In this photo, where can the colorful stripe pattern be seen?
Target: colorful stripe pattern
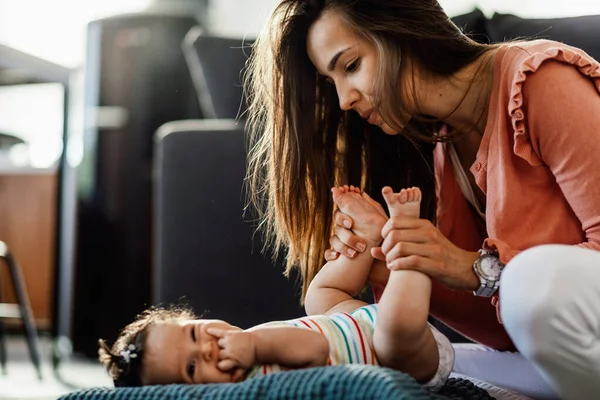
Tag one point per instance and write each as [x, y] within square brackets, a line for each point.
[350, 337]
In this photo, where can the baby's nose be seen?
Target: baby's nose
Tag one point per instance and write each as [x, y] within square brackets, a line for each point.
[207, 350]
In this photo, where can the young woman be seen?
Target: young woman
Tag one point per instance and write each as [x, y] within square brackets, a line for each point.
[503, 140]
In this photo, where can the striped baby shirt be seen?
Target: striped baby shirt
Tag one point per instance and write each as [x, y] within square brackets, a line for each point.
[350, 337]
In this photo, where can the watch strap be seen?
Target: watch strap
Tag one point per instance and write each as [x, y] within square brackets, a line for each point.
[488, 287]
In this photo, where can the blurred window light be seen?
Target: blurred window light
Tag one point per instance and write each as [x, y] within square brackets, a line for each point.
[55, 29]
[34, 113]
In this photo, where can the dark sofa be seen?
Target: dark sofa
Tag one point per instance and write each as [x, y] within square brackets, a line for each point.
[205, 248]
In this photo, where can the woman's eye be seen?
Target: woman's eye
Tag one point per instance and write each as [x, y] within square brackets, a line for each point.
[352, 67]
[193, 334]
[191, 370]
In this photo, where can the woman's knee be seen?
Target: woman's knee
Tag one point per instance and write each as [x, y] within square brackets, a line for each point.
[530, 296]
[541, 286]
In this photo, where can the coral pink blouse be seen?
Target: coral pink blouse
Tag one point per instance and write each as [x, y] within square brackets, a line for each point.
[539, 166]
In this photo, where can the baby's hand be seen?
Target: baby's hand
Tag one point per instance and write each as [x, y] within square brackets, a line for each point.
[237, 349]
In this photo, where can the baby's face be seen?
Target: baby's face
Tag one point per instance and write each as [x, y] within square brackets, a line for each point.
[183, 352]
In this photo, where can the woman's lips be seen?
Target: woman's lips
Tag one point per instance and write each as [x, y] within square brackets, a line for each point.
[372, 118]
[367, 114]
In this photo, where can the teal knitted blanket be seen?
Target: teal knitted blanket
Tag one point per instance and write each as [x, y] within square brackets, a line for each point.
[351, 382]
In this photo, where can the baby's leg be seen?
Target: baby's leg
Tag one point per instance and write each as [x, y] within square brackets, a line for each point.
[402, 337]
[368, 219]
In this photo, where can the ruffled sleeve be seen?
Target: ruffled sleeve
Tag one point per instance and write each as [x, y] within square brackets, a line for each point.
[572, 60]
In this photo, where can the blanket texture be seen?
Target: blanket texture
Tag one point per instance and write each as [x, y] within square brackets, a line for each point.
[351, 382]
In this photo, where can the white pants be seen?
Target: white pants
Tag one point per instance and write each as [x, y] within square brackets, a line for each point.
[550, 307]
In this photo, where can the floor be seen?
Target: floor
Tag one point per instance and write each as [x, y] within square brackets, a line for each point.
[21, 382]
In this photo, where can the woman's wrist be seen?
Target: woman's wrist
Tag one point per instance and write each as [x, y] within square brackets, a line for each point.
[471, 279]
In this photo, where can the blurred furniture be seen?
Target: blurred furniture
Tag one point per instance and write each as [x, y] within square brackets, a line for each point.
[8, 140]
[32, 207]
[216, 64]
[206, 251]
[136, 79]
[29, 197]
[582, 32]
[28, 223]
[21, 310]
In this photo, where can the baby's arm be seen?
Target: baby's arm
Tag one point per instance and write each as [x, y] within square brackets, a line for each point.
[334, 287]
[289, 347]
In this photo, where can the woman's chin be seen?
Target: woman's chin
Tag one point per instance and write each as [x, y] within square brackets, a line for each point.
[388, 129]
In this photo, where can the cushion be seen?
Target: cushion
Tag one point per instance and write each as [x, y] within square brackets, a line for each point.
[474, 25]
[582, 32]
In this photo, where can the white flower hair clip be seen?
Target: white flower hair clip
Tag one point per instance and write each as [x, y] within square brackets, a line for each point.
[128, 354]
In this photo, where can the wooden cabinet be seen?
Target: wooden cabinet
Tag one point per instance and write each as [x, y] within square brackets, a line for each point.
[28, 227]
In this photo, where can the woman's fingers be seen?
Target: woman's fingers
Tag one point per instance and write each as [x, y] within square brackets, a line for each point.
[404, 222]
[404, 236]
[342, 219]
[346, 242]
[425, 265]
[331, 255]
[377, 253]
[406, 249]
[337, 247]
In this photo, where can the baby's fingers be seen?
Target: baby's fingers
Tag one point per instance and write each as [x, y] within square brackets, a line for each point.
[226, 365]
[216, 332]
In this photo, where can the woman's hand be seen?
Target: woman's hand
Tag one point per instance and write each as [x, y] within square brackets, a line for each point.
[416, 244]
[344, 241]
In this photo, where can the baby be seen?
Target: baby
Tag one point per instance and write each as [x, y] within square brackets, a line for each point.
[166, 346]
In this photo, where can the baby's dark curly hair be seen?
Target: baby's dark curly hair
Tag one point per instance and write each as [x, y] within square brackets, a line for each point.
[124, 361]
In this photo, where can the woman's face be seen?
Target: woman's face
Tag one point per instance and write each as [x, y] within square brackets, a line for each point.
[348, 61]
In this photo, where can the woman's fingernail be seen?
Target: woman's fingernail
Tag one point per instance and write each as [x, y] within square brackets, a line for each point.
[334, 253]
[347, 223]
[351, 252]
[361, 247]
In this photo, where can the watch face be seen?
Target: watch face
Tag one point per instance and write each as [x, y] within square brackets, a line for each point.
[490, 267]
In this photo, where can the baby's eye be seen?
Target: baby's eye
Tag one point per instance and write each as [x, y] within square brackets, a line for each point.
[191, 370]
[193, 332]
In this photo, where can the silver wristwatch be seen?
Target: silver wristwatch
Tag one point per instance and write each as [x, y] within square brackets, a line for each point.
[488, 269]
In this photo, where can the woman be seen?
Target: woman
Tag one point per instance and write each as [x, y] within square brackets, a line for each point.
[503, 141]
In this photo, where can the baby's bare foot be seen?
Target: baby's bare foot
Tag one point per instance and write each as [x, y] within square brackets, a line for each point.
[368, 220]
[405, 202]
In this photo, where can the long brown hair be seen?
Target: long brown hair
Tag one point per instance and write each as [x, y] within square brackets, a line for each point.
[301, 143]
